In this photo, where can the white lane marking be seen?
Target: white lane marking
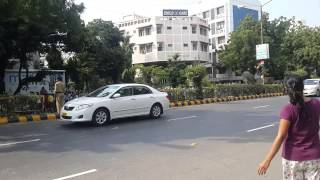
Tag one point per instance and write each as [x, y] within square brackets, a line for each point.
[176, 119]
[263, 127]
[115, 128]
[76, 175]
[19, 142]
[257, 107]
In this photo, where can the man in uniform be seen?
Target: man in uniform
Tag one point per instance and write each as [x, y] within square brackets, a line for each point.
[59, 94]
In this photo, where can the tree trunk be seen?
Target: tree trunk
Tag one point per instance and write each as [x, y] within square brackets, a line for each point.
[19, 85]
[2, 74]
[3, 65]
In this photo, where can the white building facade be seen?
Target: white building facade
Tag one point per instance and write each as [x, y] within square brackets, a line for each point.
[157, 39]
[223, 17]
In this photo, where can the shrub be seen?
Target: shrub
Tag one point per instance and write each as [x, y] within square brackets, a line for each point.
[22, 104]
[221, 91]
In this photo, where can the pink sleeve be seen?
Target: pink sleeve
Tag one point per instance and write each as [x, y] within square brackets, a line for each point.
[286, 113]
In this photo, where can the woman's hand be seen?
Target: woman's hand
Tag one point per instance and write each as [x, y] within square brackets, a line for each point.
[263, 167]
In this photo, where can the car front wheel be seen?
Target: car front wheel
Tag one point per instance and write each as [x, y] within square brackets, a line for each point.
[100, 117]
[156, 111]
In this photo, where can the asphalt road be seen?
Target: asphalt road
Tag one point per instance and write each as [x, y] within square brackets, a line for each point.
[208, 142]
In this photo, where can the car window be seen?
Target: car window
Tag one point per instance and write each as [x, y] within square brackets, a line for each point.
[310, 82]
[103, 91]
[139, 90]
[126, 91]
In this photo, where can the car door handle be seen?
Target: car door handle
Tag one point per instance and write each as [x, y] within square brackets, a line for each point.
[133, 98]
[151, 97]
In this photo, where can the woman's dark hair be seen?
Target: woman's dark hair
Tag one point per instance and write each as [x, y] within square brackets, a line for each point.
[295, 86]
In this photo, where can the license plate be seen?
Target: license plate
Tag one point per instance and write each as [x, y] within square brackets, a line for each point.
[64, 114]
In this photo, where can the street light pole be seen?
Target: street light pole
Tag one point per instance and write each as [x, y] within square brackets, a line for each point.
[261, 24]
[261, 34]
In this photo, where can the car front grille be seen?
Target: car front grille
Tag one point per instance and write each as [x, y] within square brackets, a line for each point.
[68, 108]
[66, 117]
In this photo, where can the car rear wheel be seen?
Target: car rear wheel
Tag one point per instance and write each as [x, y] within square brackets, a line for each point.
[156, 111]
[100, 117]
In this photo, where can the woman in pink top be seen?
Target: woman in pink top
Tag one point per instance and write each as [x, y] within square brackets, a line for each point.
[298, 131]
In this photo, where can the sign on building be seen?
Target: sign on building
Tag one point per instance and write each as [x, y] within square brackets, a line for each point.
[175, 12]
[262, 51]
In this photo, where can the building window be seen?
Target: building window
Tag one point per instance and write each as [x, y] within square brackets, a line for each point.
[159, 28]
[213, 28]
[212, 14]
[220, 27]
[194, 45]
[221, 40]
[141, 32]
[145, 48]
[194, 29]
[169, 45]
[185, 44]
[148, 31]
[160, 46]
[203, 31]
[169, 27]
[205, 14]
[204, 47]
[184, 27]
[220, 10]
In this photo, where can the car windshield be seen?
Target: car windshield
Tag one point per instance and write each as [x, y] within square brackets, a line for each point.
[103, 91]
[310, 82]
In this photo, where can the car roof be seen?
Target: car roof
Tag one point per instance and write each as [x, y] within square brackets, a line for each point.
[128, 84]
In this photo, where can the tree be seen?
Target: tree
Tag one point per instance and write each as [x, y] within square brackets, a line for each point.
[239, 54]
[160, 75]
[176, 70]
[54, 58]
[196, 74]
[128, 75]
[105, 47]
[28, 25]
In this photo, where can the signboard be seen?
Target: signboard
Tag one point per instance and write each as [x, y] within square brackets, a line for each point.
[12, 81]
[175, 12]
[262, 51]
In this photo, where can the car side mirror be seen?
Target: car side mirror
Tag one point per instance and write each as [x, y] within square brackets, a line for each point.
[117, 95]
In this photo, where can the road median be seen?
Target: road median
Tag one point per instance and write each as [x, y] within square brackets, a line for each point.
[221, 99]
[28, 118]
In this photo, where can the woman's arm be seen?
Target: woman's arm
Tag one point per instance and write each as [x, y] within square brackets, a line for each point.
[282, 134]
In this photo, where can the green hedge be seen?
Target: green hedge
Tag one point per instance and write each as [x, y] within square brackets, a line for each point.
[179, 94]
[22, 104]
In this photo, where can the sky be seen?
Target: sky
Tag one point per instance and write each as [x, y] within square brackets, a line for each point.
[305, 10]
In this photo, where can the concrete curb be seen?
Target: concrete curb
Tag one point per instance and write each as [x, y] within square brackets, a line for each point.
[223, 99]
[28, 118]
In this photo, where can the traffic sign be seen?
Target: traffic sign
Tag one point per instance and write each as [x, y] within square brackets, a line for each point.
[262, 51]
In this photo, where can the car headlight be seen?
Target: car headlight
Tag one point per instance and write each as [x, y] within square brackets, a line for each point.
[83, 106]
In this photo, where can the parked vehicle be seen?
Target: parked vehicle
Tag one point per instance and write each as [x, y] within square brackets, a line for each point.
[116, 101]
[311, 87]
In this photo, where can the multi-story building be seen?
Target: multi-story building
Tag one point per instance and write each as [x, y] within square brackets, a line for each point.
[157, 39]
[223, 17]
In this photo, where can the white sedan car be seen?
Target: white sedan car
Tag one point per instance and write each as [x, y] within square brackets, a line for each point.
[116, 101]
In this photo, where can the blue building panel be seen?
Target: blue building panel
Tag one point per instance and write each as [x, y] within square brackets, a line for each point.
[239, 13]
